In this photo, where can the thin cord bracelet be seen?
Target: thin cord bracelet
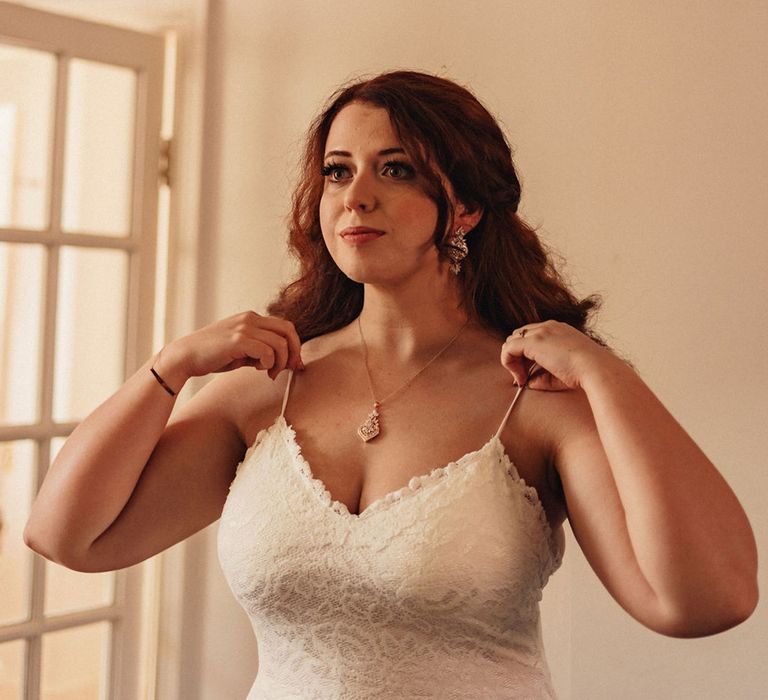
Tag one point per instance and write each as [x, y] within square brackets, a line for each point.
[161, 381]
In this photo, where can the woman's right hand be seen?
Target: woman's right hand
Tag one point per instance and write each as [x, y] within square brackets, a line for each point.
[244, 340]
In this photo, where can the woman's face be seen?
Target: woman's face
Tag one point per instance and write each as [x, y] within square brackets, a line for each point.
[376, 219]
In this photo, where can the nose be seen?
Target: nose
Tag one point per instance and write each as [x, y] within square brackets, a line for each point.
[360, 194]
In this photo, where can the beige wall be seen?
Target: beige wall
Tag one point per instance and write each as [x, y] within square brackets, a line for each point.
[640, 131]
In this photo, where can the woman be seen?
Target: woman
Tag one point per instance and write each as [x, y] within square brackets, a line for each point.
[372, 559]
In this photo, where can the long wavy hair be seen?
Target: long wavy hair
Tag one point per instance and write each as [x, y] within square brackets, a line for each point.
[508, 278]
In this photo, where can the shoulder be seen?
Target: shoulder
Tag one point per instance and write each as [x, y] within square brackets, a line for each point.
[567, 411]
[557, 415]
[564, 418]
[241, 399]
[250, 400]
[551, 422]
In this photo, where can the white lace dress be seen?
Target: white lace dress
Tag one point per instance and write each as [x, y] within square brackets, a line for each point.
[431, 592]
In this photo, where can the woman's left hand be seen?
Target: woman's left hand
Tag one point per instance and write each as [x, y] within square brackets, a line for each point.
[555, 355]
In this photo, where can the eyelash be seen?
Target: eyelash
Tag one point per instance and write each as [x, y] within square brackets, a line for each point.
[409, 171]
[329, 168]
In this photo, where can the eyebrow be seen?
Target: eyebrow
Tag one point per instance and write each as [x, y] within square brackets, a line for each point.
[347, 154]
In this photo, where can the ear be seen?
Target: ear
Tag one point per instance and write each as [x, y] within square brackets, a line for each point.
[467, 218]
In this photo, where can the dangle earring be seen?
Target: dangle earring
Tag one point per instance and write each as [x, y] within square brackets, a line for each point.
[457, 249]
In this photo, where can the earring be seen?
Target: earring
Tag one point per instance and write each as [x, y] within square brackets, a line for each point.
[457, 249]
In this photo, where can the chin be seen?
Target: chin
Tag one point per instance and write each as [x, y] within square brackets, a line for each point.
[365, 276]
[377, 270]
[363, 271]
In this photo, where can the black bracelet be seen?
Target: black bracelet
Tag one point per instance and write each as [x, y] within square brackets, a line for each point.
[162, 382]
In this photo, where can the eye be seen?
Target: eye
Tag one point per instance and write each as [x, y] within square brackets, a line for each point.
[335, 172]
[398, 170]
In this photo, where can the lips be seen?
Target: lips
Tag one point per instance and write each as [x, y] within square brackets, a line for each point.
[356, 235]
[352, 231]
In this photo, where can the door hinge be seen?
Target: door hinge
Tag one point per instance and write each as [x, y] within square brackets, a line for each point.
[164, 165]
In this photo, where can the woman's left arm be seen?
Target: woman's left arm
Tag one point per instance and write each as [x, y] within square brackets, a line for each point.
[654, 517]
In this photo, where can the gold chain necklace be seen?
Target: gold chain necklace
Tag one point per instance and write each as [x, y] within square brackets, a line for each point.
[372, 425]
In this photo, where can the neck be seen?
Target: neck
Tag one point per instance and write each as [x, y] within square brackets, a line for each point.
[409, 324]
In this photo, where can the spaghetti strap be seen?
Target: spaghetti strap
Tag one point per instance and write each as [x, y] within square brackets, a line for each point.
[532, 369]
[509, 410]
[287, 390]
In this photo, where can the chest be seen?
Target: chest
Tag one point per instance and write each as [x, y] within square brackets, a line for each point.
[428, 427]
[468, 548]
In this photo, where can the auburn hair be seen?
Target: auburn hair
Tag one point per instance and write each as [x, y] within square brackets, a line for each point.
[508, 278]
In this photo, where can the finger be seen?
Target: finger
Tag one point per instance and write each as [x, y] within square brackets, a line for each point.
[513, 356]
[287, 330]
[524, 331]
[249, 328]
[534, 370]
[279, 346]
[516, 363]
[294, 344]
[546, 382]
[259, 354]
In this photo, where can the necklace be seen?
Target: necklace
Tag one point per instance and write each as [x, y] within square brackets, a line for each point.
[372, 425]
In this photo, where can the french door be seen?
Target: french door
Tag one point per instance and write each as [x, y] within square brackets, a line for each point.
[80, 116]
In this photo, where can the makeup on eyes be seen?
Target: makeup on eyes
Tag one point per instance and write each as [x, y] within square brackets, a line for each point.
[331, 168]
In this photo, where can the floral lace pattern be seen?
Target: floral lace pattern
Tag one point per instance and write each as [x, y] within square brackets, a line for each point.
[431, 592]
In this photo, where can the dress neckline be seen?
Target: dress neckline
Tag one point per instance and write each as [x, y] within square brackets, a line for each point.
[282, 431]
[403, 495]
[414, 484]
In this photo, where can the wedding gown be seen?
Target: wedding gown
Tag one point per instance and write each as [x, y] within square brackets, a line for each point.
[431, 592]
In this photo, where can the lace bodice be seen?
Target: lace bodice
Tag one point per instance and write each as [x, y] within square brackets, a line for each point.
[431, 592]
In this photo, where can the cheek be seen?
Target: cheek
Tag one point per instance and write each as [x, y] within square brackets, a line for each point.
[424, 211]
[327, 220]
[325, 214]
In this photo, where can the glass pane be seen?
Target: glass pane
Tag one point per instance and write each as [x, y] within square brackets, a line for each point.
[56, 444]
[98, 152]
[17, 484]
[27, 82]
[67, 590]
[75, 663]
[90, 330]
[22, 270]
[12, 670]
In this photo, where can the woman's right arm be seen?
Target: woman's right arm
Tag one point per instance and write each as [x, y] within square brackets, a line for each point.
[127, 484]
